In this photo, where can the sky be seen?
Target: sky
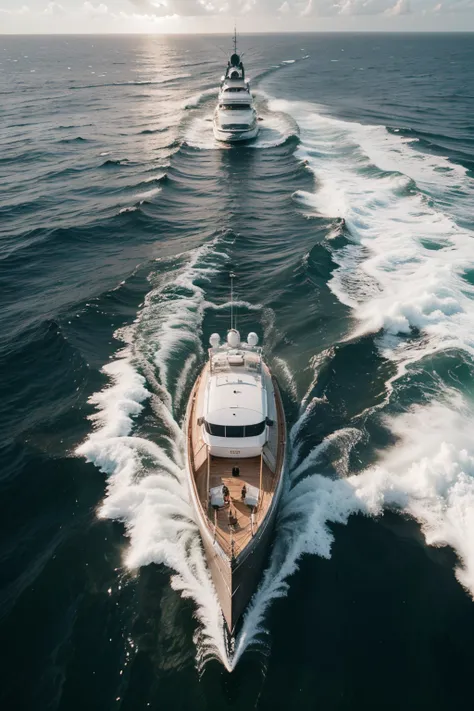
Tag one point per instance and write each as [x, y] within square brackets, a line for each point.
[170, 16]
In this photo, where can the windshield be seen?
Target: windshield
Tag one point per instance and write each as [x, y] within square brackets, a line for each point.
[235, 107]
[235, 430]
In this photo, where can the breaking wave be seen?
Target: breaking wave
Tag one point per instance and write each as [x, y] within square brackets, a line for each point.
[198, 99]
[146, 483]
[404, 269]
[402, 274]
[427, 475]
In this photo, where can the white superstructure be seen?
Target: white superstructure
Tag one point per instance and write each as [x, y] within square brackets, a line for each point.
[238, 401]
[235, 117]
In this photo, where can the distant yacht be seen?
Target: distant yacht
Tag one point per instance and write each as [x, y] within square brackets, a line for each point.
[235, 117]
[235, 462]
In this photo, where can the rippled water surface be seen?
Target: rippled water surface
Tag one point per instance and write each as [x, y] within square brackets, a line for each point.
[349, 222]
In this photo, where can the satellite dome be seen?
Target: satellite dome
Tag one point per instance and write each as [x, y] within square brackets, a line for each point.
[252, 339]
[235, 60]
[215, 340]
[233, 338]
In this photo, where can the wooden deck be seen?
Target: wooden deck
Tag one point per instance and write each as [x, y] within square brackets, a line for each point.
[241, 532]
[233, 538]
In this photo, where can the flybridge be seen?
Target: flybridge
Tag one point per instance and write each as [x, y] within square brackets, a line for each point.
[241, 356]
[235, 384]
[235, 402]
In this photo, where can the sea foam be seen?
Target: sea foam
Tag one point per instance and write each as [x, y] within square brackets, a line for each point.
[146, 484]
[404, 268]
[401, 272]
[428, 475]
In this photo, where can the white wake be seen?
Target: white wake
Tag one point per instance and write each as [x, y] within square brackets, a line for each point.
[404, 269]
[402, 274]
[146, 484]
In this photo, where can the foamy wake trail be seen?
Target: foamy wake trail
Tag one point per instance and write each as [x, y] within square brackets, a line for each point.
[146, 485]
[404, 269]
[428, 475]
[309, 504]
[169, 326]
[199, 134]
[287, 376]
[194, 101]
[274, 129]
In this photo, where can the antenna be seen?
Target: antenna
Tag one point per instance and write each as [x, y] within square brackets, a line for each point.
[220, 49]
[235, 37]
[232, 277]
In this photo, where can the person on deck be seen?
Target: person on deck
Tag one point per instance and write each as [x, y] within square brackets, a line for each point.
[226, 495]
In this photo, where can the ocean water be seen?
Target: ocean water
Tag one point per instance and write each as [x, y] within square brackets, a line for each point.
[350, 224]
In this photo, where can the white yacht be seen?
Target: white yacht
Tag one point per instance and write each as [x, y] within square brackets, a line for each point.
[235, 117]
[235, 463]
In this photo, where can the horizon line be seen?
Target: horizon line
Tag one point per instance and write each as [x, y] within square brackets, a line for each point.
[225, 34]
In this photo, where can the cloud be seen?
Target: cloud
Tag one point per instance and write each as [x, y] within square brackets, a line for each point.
[23, 10]
[362, 7]
[144, 5]
[184, 8]
[95, 10]
[401, 7]
[193, 8]
[215, 15]
[450, 7]
[295, 8]
[53, 8]
[459, 6]
[333, 8]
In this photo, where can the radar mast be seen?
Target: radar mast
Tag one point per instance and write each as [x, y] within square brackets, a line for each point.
[232, 277]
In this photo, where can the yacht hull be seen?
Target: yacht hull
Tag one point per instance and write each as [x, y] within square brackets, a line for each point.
[236, 583]
[237, 572]
[234, 136]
